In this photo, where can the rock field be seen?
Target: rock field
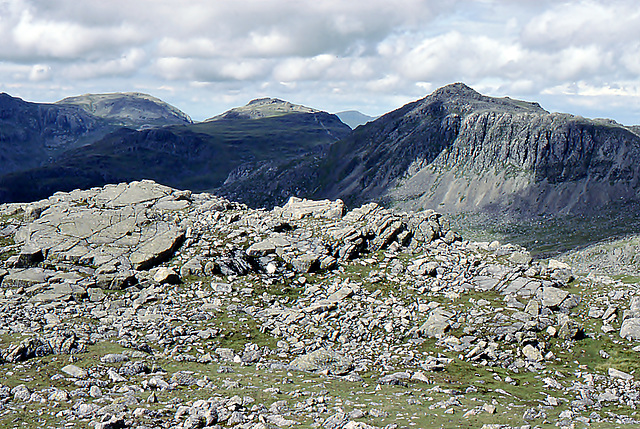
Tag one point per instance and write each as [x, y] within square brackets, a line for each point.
[141, 306]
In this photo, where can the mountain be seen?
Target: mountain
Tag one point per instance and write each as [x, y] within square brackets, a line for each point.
[353, 118]
[264, 108]
[458, 150]
[131, 109]
[33, 133]
[200, 156]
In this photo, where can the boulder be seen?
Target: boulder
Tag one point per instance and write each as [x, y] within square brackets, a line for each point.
[323, 360]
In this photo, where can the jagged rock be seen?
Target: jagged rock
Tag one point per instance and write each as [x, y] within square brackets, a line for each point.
[28, 349]
[297, 208]
[166, 275]
[552, 297]
[29, 256]
[532, 353]
[569, 329]
[437, 324]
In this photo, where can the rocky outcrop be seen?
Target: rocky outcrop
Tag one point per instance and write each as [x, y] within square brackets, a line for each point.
[305, 315]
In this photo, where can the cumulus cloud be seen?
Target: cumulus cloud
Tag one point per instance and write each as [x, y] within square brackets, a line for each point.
[341, 54]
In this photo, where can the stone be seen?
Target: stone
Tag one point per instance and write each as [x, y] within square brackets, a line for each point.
[323, 360]
[29, 256]
[532, 353]
[552, 297]
[630, 329]
[615, 373]
[166, 275]
[297, 208]
[437, 324]
[569, 330]
[75, 371]
[26, 277]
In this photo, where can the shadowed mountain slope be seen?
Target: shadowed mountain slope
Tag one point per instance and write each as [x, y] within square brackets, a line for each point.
[32, 133]
[461, 151]
[197, 156]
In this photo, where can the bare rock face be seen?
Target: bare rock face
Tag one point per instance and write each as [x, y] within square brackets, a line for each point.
[458, 150]
[107, 226]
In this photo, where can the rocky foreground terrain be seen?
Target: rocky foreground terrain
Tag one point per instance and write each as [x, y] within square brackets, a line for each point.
[138, 305]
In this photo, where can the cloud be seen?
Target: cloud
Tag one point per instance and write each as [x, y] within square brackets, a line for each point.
[341, 54]
[39, 72]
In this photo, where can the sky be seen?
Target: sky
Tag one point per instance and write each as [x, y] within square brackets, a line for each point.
[207, 56]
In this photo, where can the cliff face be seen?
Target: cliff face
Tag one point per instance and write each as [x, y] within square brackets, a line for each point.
[460, 151]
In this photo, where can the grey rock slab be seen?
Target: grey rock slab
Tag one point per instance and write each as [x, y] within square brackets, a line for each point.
[437, 324]
[532, 353]
[75, 371]
[323, 360]
[320, 306]
[616, 373]
[552, 297]
[297, 208]
[485, 283]
[159, 246]
[630, 329]
[27, 277]
[60, 292]
[115, 226]
[123, 195]
[166, 275]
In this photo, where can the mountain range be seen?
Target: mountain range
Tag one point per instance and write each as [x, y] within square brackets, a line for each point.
[455, 150]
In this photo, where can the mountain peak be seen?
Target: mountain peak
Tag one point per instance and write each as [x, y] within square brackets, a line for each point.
[129, 108]
[264, 108]
[466, 99]
[458, 88]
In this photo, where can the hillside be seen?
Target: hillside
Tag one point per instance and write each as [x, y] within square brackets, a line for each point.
[196, 156]
[138, 305]
[33, 133]
[461, 151]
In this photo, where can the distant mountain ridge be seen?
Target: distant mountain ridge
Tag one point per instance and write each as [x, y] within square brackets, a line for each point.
[264, 108]
[199, 156]
[132, 109]
[455, 150]
[353, 118]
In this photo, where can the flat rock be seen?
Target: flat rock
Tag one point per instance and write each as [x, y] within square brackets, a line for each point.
[616, 373]
[323, 360]
[75, 371]
[552, 297]
[114, 228]
[437, 323]
[297, 208]
[27, 277]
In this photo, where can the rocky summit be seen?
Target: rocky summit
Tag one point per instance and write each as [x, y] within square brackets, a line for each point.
[139, 305]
